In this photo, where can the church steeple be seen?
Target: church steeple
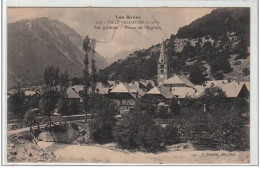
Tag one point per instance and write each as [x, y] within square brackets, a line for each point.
[162, 66]
[162, 58]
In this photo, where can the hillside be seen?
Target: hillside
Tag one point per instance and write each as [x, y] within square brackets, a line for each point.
[120, 55]
[36, 44]
[213, 47]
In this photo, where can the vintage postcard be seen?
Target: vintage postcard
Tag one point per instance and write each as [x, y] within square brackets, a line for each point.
[129, 85]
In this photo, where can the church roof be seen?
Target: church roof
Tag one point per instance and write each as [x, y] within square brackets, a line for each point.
[163, 58]
[177, 79]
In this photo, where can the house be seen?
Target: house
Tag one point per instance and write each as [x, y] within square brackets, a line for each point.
[233, 89]
[178, 81]
[159, 94]
[73, 94]
[100, 89]
[146, 85]
[123, 96]
[31, 93]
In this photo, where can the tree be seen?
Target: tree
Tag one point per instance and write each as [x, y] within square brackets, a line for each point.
[62, 106]
[138, 130]
[213, 96]
[64, 83]
[147, 105]
[174, 107]
[48, 103]
[17, 103]
[103, 121]
[93, 77]
[86, 81]
[51, 77]
[76, 81]
[30, 118]
[197, 75]
[62, 101]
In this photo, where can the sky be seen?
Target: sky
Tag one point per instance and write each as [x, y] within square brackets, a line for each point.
[83, 21]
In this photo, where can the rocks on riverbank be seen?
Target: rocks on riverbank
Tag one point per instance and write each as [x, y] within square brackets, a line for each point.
[23, 150]
[63, 134]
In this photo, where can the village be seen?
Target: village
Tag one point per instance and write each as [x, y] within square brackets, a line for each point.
[167, 87]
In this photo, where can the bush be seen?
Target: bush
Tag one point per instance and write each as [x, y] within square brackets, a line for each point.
[125, 132]
[223, 127]
[103, 121]
[149, 137]
[17, 104]
[163, 112]
[171, 135]
[138, 130]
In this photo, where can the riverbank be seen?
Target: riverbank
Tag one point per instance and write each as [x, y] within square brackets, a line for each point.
[109, 153]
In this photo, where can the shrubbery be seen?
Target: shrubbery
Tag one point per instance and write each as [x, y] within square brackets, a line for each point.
[171, 134]
[103, 120]
[222, 126]
[138, 130]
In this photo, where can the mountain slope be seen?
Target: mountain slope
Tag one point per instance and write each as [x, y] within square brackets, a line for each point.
[213, 47]
[36, 44]
[120, 55]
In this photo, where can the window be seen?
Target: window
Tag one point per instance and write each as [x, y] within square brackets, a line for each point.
[161, 66]
[161, 71]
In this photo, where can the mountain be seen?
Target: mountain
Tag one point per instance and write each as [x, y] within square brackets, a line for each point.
[36, 44]
[213, 47]
[120, 55]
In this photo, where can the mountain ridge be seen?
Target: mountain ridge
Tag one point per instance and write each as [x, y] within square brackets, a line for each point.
[36, 44]
[194, 53]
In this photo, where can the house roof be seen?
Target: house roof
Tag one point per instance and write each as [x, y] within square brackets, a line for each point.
[72, 94]
[146, 82]
[135, 88]
[111, 82]
[232, 89]
[182, 92]
[78, 88]
[101, 88]
[164, 91]
[154, 90]
[177, 79]
[123, 88]
[30, 93]
[120, 88]
[247, 85]
[216, 83]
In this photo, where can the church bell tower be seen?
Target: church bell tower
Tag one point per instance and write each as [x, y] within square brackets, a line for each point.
[162, 66]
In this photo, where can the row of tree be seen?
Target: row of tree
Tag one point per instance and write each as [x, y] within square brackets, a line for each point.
[210, 122]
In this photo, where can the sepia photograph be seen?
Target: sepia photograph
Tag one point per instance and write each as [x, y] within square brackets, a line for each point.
[121, 85]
